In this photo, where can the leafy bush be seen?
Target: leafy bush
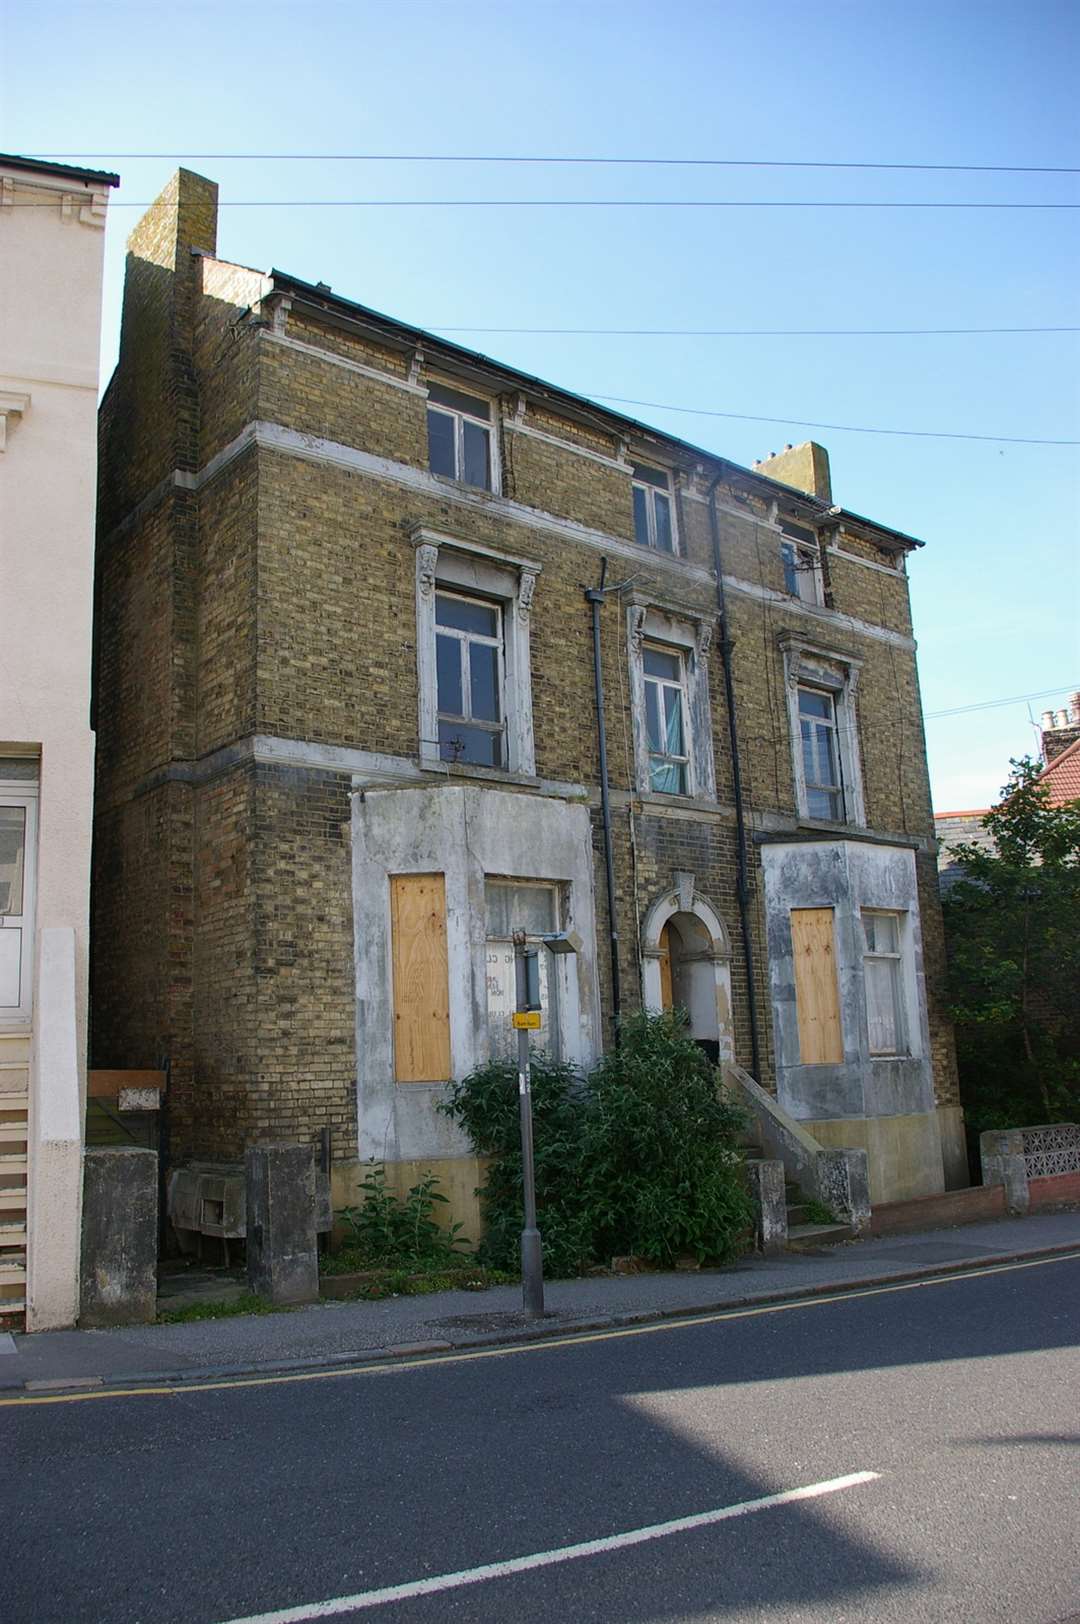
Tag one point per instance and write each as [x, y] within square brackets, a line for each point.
[662, 1173]
[401, 1233]
[637, 1158]
[486, 1105]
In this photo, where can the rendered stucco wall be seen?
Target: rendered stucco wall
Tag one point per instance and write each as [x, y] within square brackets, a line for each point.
[50, 319]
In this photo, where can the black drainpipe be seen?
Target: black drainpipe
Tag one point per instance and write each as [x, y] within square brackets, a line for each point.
[595, 597]
[742, 868]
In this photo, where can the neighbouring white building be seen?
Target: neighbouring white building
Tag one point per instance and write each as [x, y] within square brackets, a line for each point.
[52, 223]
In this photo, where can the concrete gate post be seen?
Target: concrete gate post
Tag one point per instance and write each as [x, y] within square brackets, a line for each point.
[119, 1237]
[767, 1192]
[1001, 1154]
[282, 1261]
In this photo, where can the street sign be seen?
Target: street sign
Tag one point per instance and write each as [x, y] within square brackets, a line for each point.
[527, 1020]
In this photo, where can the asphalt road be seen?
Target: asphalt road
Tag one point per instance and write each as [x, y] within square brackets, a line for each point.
[958, 1401]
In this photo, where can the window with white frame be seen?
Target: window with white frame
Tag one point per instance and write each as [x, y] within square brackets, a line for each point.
[802, 564]
[472, 654]
[664, 675]
[459, 437]
[822, 773]
[469, 678]
[654, 524]
[820, 684]
[533, 907]
[669, 691]
[883, 975]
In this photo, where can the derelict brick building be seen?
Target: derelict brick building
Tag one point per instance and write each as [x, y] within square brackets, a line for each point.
[348, 736]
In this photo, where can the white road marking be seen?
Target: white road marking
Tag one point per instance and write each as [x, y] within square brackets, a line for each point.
[546, 1559]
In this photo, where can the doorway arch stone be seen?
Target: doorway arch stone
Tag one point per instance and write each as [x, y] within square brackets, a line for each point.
[686, 962]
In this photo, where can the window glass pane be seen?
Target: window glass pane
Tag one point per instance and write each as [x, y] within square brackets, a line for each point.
[476, 746]
[662, 513]
[12, 858]
[814, 704]
[480, 746]
[448, 667]
[652, 716]
[826, 754]
[477, 469]
[440, 438]
[823, 803]
[484, 681]
[459, 401]
[651, 476]
[658, 663]
[791, 577]
[510, 907]
[667, 777]
[673, 735]
[466, 616]
[882, 933]
[641, 516]
[882, 1005]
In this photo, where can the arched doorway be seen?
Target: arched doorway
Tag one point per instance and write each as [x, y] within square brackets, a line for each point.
[687, 965]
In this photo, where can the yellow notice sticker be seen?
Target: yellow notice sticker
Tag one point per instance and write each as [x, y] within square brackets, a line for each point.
[526, 1020]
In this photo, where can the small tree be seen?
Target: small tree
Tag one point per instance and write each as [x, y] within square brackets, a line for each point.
[1012, 924]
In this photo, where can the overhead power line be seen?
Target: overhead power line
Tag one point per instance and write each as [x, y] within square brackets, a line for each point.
[753, 332]
[572, 203]
[843, 428]
[994, 704]
[554, 158]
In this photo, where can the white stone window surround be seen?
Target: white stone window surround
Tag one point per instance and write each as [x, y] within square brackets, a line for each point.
[801, 559]
[689, 633]
[444, 561]
[708, 996]
[835, 672]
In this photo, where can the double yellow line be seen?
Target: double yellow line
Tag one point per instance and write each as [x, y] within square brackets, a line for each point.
[386, 1367]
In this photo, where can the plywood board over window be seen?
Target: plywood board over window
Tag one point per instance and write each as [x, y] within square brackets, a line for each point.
[421, 978]
[817, 996]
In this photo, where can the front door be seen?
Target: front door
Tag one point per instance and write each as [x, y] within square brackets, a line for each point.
[18, 845]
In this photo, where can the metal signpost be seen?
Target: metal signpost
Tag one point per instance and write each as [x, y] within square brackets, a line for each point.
[526, 1019]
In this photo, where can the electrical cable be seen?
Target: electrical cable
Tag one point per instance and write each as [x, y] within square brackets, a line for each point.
[572, 203]
[752, 332]
[527, 158]
[993, 704]
[840, 428]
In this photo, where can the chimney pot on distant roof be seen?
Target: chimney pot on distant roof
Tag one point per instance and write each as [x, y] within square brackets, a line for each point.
[1074, 707]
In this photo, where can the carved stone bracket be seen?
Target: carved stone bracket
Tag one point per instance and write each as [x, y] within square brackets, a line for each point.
[525, 595]
[638, 612]
[427, 561]
[684, 889]
[11, 406]
[704, 639]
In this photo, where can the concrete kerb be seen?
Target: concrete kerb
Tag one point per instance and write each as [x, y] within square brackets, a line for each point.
[435, 1350]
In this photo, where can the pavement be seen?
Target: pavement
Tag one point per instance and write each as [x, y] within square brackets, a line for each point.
[331, 1333]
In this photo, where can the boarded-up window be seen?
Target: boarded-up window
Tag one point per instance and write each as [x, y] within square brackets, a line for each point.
[421, 978]
[667, 994]
[817, 998]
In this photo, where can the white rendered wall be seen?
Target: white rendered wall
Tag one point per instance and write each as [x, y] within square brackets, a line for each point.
[50, 317]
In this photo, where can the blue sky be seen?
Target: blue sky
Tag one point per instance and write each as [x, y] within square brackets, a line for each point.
[996, 591]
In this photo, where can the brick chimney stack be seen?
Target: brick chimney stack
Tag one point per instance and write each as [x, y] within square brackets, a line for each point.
[805, 467]
[1060, 729]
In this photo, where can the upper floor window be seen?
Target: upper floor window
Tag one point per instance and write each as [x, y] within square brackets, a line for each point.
[665, 719]
[653, 522]
[459, 437]
[469, 675]
[820, 685]
[472, 654]
[820, 755]
[802, 565]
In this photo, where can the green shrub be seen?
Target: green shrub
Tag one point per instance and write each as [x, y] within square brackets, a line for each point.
[401, 1233]
[662, 1171]
[486, 1105]
[637, 1158]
